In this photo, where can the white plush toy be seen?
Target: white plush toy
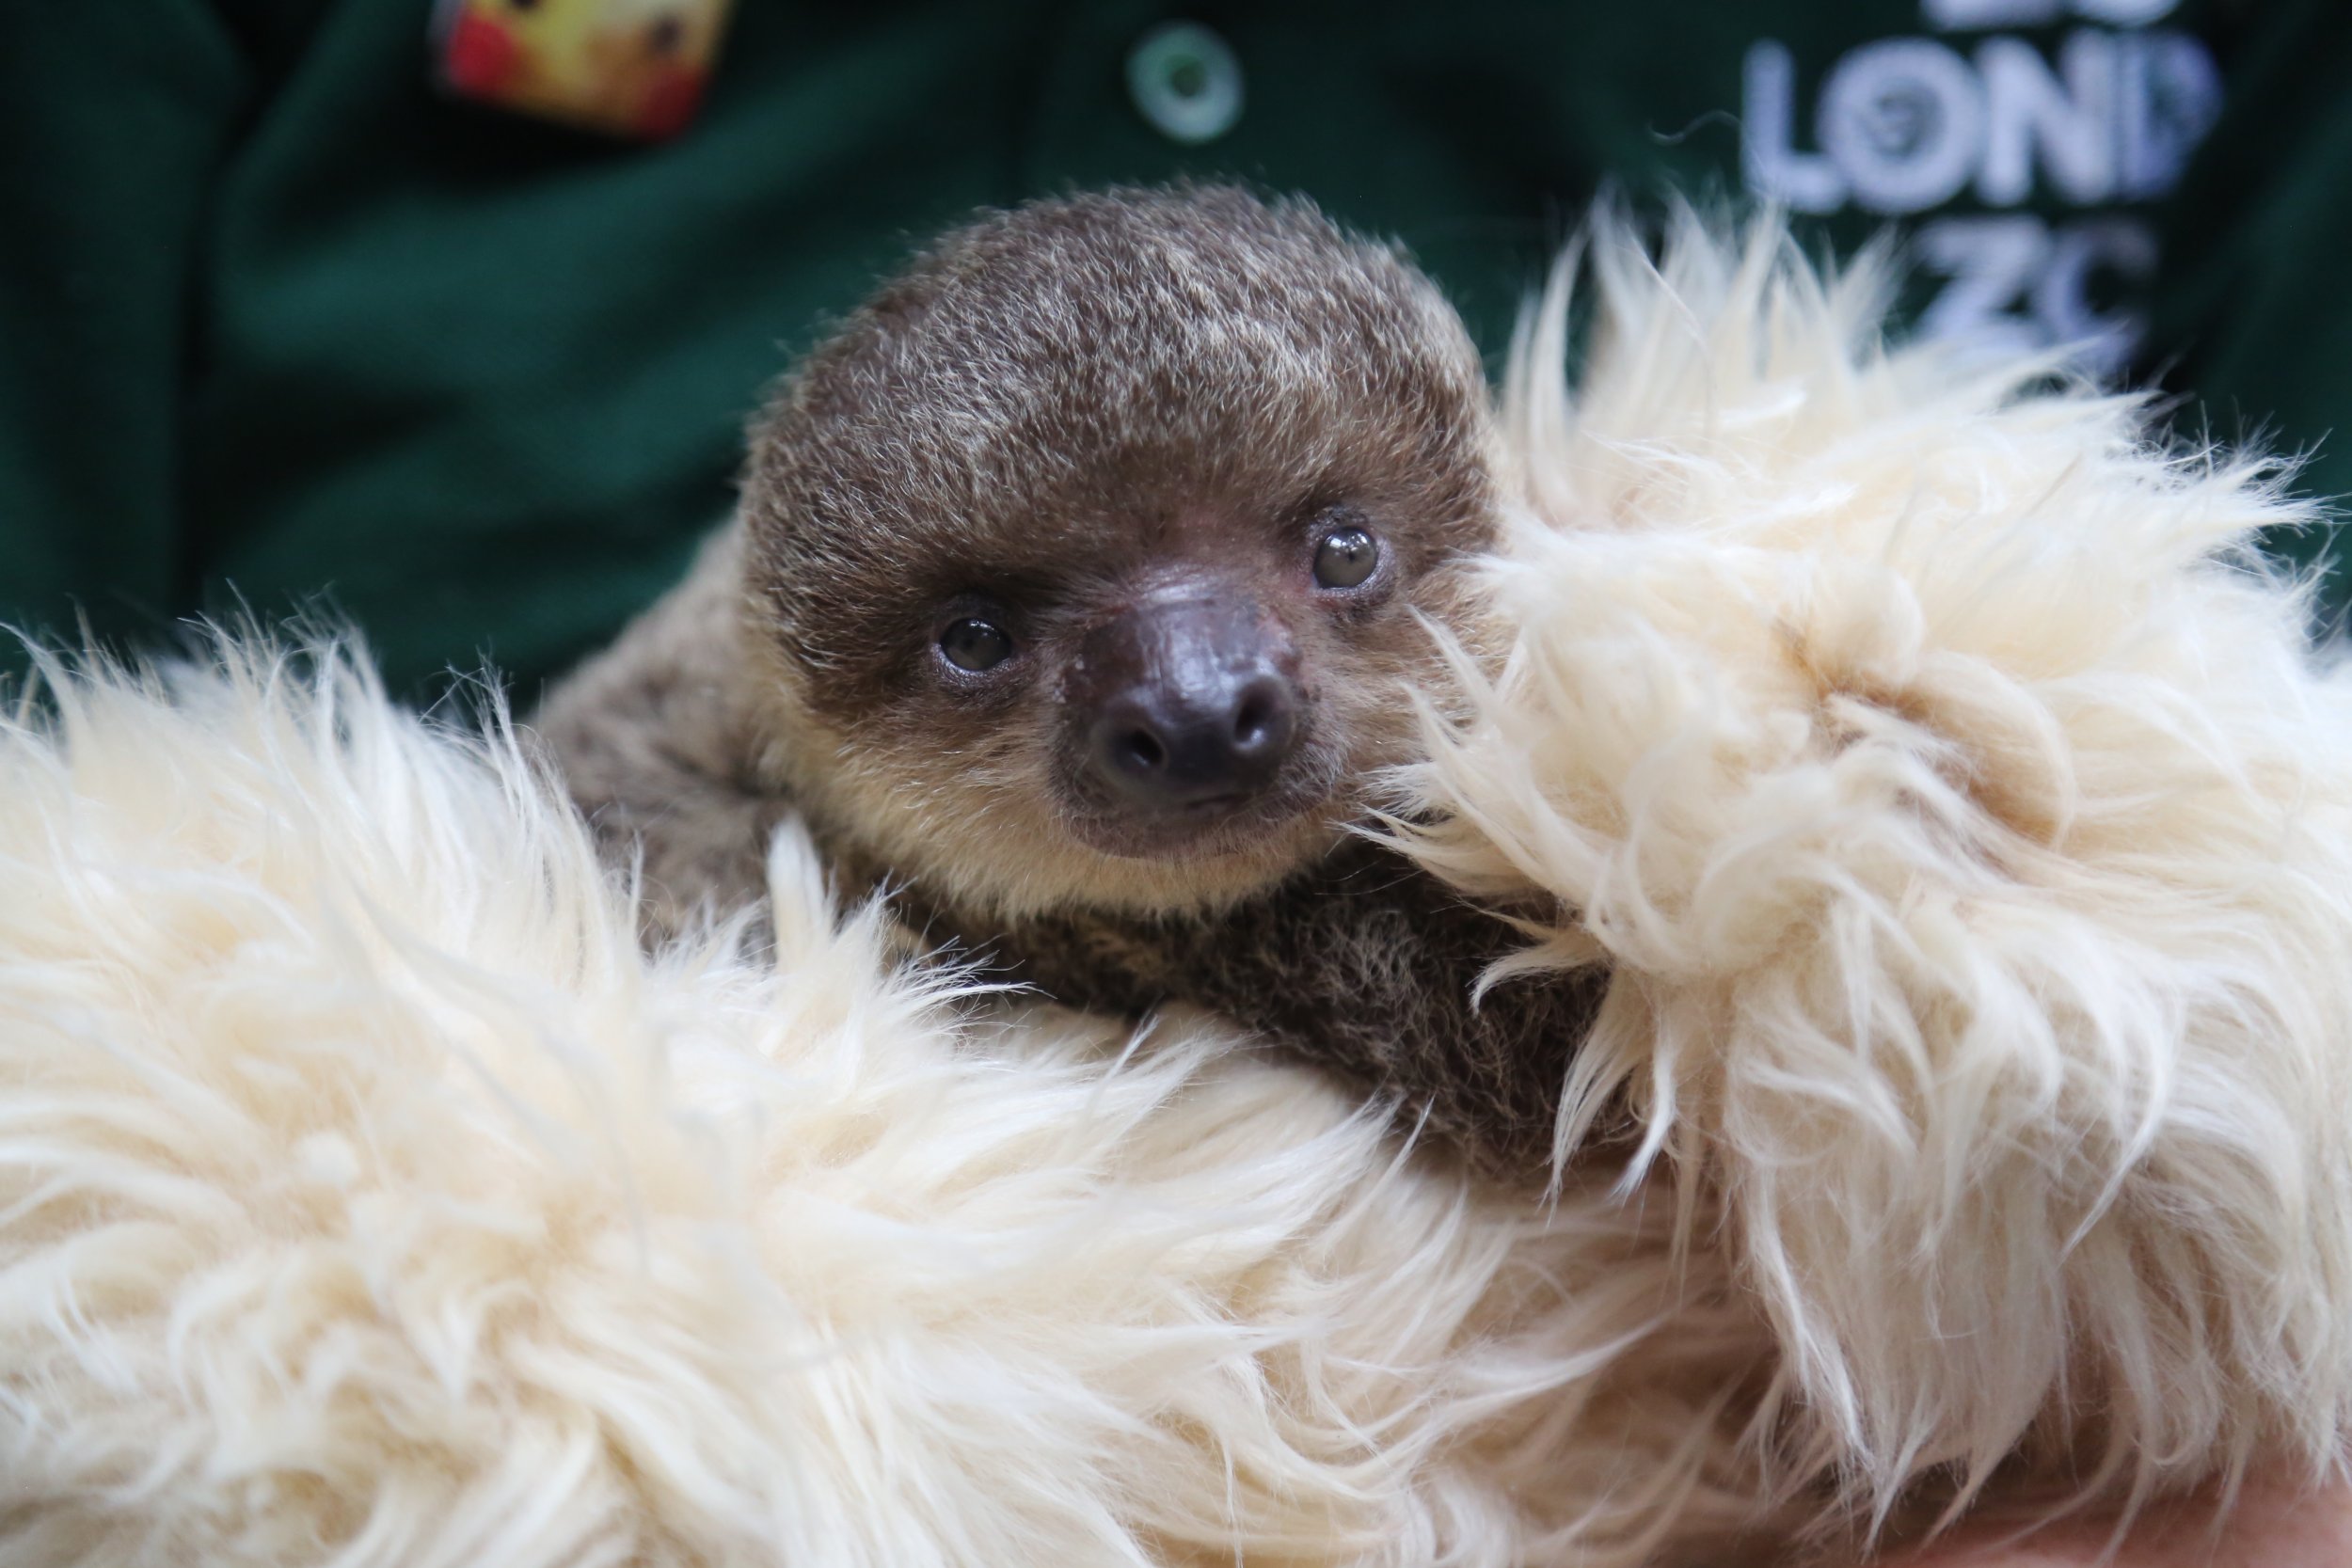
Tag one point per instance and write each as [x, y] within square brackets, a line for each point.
[1968, 829]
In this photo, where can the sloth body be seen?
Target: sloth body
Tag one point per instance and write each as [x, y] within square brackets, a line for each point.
[1078, 594]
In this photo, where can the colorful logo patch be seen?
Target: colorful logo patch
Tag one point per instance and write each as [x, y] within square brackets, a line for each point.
[631, 67]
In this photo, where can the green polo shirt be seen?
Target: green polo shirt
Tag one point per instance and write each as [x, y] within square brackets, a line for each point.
[280, 321]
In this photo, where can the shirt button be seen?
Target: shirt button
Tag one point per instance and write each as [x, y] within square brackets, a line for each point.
[1186, 81]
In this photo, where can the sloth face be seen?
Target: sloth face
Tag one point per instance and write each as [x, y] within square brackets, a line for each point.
[1090, 554]
[1185, 693]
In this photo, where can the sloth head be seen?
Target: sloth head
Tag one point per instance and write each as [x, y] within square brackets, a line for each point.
[1086, 559]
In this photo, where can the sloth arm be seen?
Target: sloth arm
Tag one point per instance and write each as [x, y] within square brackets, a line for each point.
[1364, 963]
[654, 746]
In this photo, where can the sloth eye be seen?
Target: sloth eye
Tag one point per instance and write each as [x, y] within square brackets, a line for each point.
[1346, 558]
[975, 645]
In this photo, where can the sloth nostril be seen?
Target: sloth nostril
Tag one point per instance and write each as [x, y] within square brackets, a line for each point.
[1141, 751]
[1252, 721]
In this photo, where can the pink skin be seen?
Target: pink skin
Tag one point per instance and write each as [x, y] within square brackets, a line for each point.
[2272, 1527]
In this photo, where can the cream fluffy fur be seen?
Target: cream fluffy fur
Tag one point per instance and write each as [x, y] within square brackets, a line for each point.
[369, 1199]
[1954, 792]
[1972, 841]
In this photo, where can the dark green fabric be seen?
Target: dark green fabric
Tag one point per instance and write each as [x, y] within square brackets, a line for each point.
[277, 319]
[2257, 314]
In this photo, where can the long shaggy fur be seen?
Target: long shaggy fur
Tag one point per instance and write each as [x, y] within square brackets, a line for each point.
[1964, 825]
[1971, 836]
[366, 1197]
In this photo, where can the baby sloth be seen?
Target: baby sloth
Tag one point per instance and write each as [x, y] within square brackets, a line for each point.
[1077, 594]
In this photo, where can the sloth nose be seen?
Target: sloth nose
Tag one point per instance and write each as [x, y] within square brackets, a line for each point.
[1172, 747]
[1192, 705]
